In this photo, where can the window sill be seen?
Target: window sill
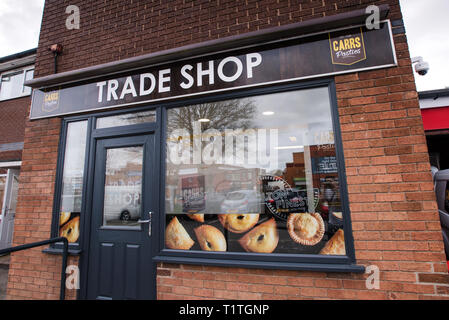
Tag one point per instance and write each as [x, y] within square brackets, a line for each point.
[15, 97]
[319, 267]
[58, 251]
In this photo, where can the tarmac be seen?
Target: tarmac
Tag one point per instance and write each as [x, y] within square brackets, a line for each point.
[4, 268]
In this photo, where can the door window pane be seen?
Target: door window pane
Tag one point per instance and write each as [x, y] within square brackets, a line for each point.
[72, 180]
[123, 186]
[257, 174]
[126, 119]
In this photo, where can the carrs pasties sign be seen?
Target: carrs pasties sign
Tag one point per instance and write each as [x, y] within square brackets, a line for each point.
[347, 49]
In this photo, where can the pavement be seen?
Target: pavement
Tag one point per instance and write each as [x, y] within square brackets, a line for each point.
[4, 268]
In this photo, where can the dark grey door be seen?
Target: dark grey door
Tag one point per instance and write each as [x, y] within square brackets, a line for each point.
[124, 201]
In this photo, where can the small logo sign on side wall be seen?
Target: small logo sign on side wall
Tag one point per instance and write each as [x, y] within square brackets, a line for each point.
[347, 49]
[51, 101]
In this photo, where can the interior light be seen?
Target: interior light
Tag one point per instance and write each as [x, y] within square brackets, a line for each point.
[289, 147]
[204, 120]
[293, 139]
[268, 113]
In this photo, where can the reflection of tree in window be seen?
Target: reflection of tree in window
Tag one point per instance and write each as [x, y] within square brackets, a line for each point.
[230, 114]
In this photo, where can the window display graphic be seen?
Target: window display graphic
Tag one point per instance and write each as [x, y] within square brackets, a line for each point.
[193, 200]
[256, 175]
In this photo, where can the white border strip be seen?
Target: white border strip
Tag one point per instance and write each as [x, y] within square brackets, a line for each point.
[10, 164]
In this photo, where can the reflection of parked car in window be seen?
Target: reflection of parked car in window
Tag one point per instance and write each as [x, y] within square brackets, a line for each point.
[214, 201]
[442, 194]
[242, 201]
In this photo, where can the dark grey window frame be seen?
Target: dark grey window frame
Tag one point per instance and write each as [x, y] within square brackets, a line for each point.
[312, 262]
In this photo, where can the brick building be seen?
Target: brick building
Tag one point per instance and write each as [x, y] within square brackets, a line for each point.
[14, 108]
[166, 90]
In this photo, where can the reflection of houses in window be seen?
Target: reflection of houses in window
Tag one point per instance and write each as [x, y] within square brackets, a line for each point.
[294, 172]
[219, 179]
[72, 194]
[313, 170]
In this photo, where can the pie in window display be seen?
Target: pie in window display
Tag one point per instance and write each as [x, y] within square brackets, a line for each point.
[238, 222]
[336, 244]
[196, 216]
[306, 228]
[176, 236]
[71, 229]
[262, 239]
[210, 238]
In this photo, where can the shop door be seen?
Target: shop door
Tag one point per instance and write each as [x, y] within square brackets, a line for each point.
[9, 189]
[124, 204]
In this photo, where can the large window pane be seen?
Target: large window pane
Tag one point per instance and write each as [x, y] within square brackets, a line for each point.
[257, 174]
[12, 84]
[72, 180]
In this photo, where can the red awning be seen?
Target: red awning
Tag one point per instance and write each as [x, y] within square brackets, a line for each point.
[435, 118]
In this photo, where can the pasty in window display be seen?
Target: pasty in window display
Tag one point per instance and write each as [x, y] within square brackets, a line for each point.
[306, 228]
[196, 216]
[336, 244]
[210, 238]
[262, 239]
[238, 222]
[176, 237]
[64, 217]
[71, 230]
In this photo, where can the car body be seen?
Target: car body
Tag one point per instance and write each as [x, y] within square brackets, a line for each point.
[242, 201]
[441, 179]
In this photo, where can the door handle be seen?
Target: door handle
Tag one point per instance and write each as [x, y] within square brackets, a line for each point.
[150, 214]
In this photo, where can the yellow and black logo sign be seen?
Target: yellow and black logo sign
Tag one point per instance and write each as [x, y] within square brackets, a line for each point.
[347, 49]
[51, 101]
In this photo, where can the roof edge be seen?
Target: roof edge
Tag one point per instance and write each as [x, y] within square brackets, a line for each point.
[250, 38]
[434, 94]
[18, 55]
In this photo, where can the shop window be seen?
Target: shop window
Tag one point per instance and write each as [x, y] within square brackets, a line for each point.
[12, 83]
[72, 181]
[255, 175]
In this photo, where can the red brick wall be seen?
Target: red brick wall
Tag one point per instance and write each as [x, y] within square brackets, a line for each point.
[13, 115]
[393, 209]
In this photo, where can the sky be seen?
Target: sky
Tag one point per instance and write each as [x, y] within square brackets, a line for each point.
[426, 25]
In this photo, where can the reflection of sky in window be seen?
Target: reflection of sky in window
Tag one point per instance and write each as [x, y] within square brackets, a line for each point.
[121, 158]
[298, 115]
[75, 149]
[310, 109]
[298, 118]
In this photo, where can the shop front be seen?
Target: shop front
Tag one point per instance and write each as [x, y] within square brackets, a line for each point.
[207, 165]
